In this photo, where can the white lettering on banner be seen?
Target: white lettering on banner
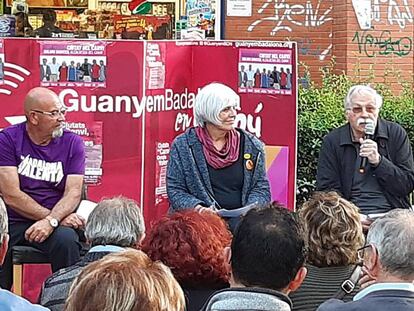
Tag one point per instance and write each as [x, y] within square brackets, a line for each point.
[153, 103]
[40, 169]
[246, 122]
[182, 121]
[249, 122]
[123, 103]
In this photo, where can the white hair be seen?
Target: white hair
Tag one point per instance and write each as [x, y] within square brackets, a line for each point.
[116, 221]
[211, 100]
[393, 236]
[3, 220]
[360, 90]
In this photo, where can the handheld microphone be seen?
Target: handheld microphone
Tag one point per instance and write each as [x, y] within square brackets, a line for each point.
[369, 134]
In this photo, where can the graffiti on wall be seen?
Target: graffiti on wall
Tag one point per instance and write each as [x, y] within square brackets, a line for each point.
[285, 15]
[308, 47]
[399, 12]
[371, 44]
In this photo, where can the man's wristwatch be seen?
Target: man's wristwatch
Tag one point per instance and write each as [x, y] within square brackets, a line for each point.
[53, 221]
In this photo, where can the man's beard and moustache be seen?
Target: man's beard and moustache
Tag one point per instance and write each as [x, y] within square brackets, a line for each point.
[58, 132]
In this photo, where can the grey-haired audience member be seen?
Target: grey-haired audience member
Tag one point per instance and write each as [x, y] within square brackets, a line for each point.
[8, 300]
[389, 260]
[113, 225]
[267, 259]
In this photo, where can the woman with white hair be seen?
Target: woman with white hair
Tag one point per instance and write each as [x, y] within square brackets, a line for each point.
[214, 165]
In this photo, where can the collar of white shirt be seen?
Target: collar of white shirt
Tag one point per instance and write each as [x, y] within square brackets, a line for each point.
[384, 286]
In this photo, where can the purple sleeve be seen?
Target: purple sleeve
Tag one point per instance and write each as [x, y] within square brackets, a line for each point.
[76, 164]
[7, 151]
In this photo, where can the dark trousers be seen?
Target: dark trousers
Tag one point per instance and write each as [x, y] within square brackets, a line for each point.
[62, 247]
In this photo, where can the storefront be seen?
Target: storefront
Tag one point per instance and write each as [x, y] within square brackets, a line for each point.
[111, 19]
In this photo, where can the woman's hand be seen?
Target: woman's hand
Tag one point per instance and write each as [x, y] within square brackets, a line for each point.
[202, 209]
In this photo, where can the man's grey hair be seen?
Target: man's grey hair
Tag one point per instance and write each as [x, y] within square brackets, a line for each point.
[3, 221]
[393, 236]
[362, 90]
[116, 221]
[211, 100]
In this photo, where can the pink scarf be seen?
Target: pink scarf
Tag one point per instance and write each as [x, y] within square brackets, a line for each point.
[220, 158]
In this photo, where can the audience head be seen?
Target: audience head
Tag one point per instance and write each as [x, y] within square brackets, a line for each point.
[211, 100]
[268, 250]
[192, 245]
[4, 236]
[390, 252]
[116, 221]
[332, 230]
[127, 281]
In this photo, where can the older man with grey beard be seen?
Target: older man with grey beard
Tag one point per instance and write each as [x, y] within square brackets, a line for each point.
[386, 178]
[388, 259]
[41, 176]
[113, 225]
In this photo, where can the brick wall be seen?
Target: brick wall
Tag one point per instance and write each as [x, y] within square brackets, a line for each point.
[380, 49]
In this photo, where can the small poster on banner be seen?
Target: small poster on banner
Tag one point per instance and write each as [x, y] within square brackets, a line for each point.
[73, 63]
[1, 61]
[91, 133]
[155, 66]
[163, 154]
[263, 71]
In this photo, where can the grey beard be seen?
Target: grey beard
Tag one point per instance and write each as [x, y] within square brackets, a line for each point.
[57, 132]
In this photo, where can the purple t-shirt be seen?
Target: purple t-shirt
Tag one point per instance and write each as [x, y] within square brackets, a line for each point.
[42, 169]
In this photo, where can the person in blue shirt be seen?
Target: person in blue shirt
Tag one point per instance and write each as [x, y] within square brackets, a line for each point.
[8, 300]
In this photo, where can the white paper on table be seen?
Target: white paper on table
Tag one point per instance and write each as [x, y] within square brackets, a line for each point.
[85, 208]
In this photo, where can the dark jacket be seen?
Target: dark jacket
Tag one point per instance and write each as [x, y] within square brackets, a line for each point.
[248, 298]
[385, 300]
[188, 177]
[196, 298]
[395, 172]
[56, 288]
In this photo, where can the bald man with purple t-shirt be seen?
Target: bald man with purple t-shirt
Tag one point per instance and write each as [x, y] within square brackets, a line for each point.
[41, 176]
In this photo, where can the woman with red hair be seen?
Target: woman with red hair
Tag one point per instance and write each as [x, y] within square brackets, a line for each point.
[192, 245]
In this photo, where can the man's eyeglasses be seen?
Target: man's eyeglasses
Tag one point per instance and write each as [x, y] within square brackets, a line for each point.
[358, 109]
[361, 253]
[53, 114]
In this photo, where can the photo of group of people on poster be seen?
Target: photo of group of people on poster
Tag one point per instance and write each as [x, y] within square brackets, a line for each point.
[261, 71]
[278, 77]
[63, 63]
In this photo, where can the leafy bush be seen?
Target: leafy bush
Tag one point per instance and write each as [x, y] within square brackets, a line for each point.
[321, 110]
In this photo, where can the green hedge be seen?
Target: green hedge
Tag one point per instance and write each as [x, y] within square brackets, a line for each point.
[321, 109]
